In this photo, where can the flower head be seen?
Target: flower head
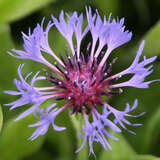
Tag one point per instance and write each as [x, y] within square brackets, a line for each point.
[79, 78]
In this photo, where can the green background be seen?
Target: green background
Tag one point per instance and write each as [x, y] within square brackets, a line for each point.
[142, 18]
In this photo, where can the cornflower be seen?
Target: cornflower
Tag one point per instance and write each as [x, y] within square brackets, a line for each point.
[80, 78]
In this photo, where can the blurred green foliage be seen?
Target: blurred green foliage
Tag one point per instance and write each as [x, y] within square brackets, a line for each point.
[152, 46]
[152, 130]
[13, 10]
[77, 121]
[14, 138]
[142, 17]
[1, 118]
[120, 149]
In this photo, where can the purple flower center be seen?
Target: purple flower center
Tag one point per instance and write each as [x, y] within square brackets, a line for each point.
[82, 83]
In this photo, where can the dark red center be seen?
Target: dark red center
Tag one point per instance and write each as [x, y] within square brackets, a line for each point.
[82, 83]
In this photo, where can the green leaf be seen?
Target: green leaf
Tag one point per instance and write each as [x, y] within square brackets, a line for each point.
[136, 157]
[14, 139]
[42, 154]
[152, 46]
[5, 37]
[142, 157]
[13, 10]
[1, 118]
[77, 121]
[8, 69]
[8, 64]
[64, 141]
[68, 6]
[120, 149]
[107, 6]
[152, 131]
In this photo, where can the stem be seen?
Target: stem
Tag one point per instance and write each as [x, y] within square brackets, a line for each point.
[63, 107]
[51, 96]
[92, 50]
[54, 55]
[118, 75]
[104, 58]
[98, 50]
[52, 67]
[78, 49]
[46, 88]
[72, 48]
[78, 121]
[123, 84]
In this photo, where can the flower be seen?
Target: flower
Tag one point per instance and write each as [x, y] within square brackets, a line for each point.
[29, 93]
[46, 118]
[79, 78]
